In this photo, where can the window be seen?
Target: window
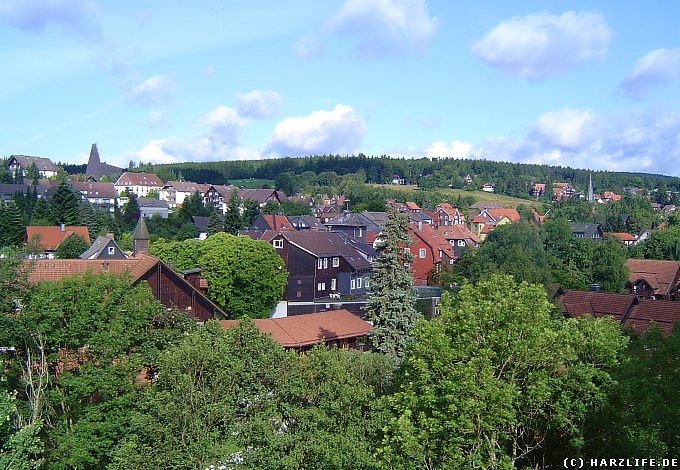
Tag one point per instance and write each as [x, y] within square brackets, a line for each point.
[278, 243]
[366, 285]
[422, 253]
[325, 263]
[360, 232]
[336, 262]
[321, 286]
[359, 283]
[112, 250]
[333, 283]
[299, 294]
[353, 284]
[299, 281]
[461, 242]
[319, 263]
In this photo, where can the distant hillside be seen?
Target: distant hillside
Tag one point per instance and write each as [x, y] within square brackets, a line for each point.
[512, 179]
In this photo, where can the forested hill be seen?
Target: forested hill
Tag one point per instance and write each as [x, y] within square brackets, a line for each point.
[508, 177]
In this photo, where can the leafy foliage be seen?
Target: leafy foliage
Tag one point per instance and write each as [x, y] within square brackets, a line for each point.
[72, 247]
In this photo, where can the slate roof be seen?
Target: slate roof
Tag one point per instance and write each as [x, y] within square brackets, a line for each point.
[588, 230]
[577, 303]
[139, 179]
[13, 188]
[260, 195]
[41, 163]
[664, 313]
[661, 275]
[97, 247]
[373, 221]
[51, 236]
[201, 222]
[141, 232]
[309, 329]
[306, 221]
[96, 168]
[151, 202]
[187, 186]
[92, 189]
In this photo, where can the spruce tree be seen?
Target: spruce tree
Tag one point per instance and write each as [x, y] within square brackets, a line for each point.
[131, 212]
[42, 214]
[391, 302]
[65, 204]
[233, 221]
[215, 224]
[12, 228]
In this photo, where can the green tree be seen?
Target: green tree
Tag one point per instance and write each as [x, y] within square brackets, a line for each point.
[494, 379]
[42, 214]
[64, 205]
[271, 207]
[20, 444]
[661, 244]
[296, 208]
[131, 211]
[391, 302]
[72, 247]
[232, 218]
[215, 224]
[12, 227]
[193, 205]
[609, 269]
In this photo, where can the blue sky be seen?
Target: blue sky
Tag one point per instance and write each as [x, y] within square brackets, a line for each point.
[586, 84]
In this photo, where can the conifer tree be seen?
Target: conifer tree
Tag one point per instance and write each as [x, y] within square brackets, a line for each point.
[131, 212]
[72, 247]
[42, 213]
[391, 303]
[215, 224]
[232, 218]
[65, 204]
[11, 226]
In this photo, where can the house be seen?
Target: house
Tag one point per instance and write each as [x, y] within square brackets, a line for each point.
[49, 237]
[479, 222]
[262, 196]
[326, 213]
[497, 214]
[364, 226]
[412, 206]
[397, 179]
[339, 328]
[149, 207]
[537, 190]
[608, 196]
[467, 179]
[482, 205]
[562, 190]
[663, 313]
[591, 231]
[306, 222]
[445, 214]
[430, 250]
[265, 222]
[98, 169]
[7, 191]
[19, 164]
[668, 209]
[167, 286]
[101, 195]
[321, 266]
[459, 237]
[488, 187]
[626, 238]
[104, 247]
[201, 222]
[653, 279]
[141, 184]
[175, 192]
[217, 196]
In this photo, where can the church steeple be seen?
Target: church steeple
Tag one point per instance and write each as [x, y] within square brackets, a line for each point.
[591, 195]
[94, 165]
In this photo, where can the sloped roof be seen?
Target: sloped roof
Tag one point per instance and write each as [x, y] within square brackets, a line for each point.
[277, 222]
[511, 214]
[662, 275]
[311, 328]
[201, 222]
[259, 195]
[663, 312]
[435, 240]
[96, 168]
[623, 236]
[587, 229]
[56, 269]
[97, 247]
[305, 221]
[13, 188]
[41, 163]
[412, 205]
[598, 304]
[486, 205]
[93, 189]
[151, 202]
[458, 232]
[373, 221]
[187, 186]
[139, 179]
[51, 236]
[141, 232]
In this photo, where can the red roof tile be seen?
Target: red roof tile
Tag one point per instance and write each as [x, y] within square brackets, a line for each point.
[412, 205]
[277, 222]
[312, 328]
[139, 179]
[56, 269]
[662, 275]
[598, 304]
[623, 236]
[511, 214]
[51, 236]
[663, 312]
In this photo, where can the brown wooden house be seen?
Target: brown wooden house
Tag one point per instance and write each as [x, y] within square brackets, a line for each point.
[653, 279]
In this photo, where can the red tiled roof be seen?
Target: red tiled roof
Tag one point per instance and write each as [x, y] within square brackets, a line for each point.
[412, 205]
[663, 312]
[539, 185]
[312, 328]
[660, 273]
[56, 269]
[51, 235]
[139, 179]
[277, 222]
[598, 304]
[458, 232]
[480, 219]
[511, 214]
[623, 236]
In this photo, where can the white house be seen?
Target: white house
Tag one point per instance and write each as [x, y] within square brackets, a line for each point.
[488, 187]
[21, 163]
[138, 183]
[174, 192]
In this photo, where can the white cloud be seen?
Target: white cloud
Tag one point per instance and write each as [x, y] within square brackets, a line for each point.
[647, 141]
[540, 45]
[658, 67]
[221, 141]
[259, 104]
[457, 149]
[378, 28]
[339, 131]
[79, 16]
[155, 90]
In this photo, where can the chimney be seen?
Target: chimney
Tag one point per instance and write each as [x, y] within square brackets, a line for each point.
[110, 235]
[62, 227]
[420, 225]
[594, 288]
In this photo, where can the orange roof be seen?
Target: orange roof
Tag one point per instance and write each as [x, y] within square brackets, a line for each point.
[312, 328]
[435, 240]
[487, 228]
[412, 205]
[661, 275]
[623, 236]
[52, 235]
[561, 185]
[458, 232]
[277, 222]
[56, 269]
[480, 219]
[511, 214]
[539, 185]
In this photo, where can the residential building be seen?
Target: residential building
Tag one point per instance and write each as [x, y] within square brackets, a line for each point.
[562, 190]
[306, 222]
[467, 179]
[340, 328]
[201, 222]
[459, 237]
[175, 192]
[265, 222]
[496, 214]
[626, 238]
[653, 279]
[19, 164]
[141, 184]
[149, 207]
[537, 190]
[7, 191]
[49, 237]
[104, 247]
[217, 196]
[430, 250]
[591, 231]
[488, 187]
[101, 195]
[364, 226]
[445, 214]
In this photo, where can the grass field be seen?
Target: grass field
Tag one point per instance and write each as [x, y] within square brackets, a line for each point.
[252, 183]
[507, 201]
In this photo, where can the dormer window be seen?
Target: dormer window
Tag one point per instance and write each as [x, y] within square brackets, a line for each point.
[278, 243]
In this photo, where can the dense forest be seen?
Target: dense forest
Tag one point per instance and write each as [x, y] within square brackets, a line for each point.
[513, 179]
